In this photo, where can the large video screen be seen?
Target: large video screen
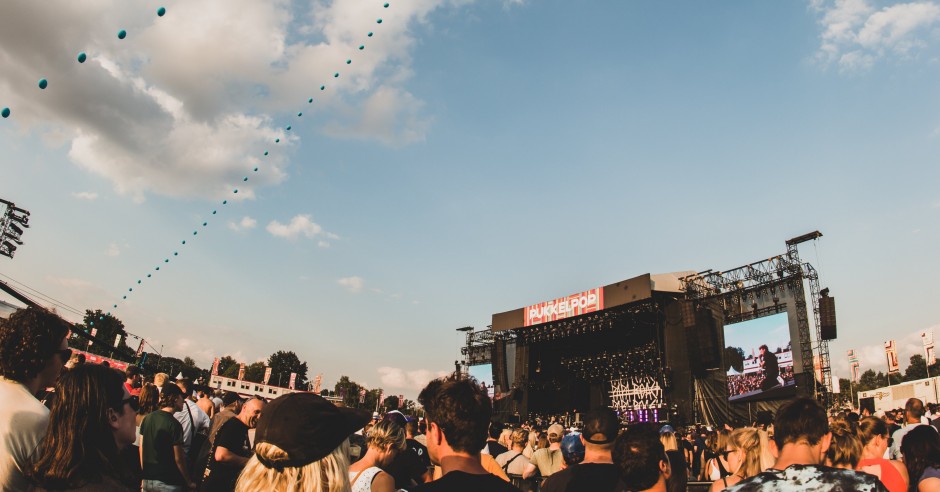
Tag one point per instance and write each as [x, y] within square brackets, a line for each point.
[483, 373]
[760, 359]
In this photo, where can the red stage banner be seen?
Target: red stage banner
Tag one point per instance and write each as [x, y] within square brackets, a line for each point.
[97, 359]
[588, 301]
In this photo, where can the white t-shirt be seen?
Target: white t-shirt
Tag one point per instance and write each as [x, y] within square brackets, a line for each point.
[23, 422]
[200, 418]
[895, 450]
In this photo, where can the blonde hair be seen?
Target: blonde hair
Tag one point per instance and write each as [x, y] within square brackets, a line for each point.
[330, 474]
[846, 449]
[160, 378]
[505, 438]
[386, 433]
[669, 441]
[519, 437]
[748, 439]
[767, 459]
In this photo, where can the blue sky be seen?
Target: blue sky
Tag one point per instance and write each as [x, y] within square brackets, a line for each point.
[474, 158]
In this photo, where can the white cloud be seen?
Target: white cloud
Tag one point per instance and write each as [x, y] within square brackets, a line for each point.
[352, 284]
[245, 224]
[855, 34]
[189, 102]
[323, 244]
[300, 225]
[397, 378]
[113, 250]
[85, 195]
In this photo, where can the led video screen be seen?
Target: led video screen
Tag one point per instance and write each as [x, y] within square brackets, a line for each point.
[483, 373]
[760, 359]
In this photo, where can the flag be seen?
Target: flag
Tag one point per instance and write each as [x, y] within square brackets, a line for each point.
[267, 375]
[401, 399]
[362, 395]
[929, 355]
[891, 353]
[852, 356]
[94, 331]
[117, 340]
[140, 350]
[855, 373]
[317, 381]
[241, 371]
[215, 365]
[293, 380]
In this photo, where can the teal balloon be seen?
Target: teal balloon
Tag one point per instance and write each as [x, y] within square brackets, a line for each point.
[176, 253]
[378, 21]
[245, 179]
[256, 169]
[131, 289]
[92, 323]
[322, 87]
[161, 11]
[362, 47]
[336, 75]
[115, 307]
[386, 5]
[310, 101]
[109, 312]
[236, 191]
[122, 34]
[166, 260]
[370, 34]
[82, 57]
[125, 297]
[195, 232]
[288, 128]
[43, 83]
[265, 152]
[224, 202]
[101, 318]
[149, 275]
[184, 241]
[138, 281]
[277, 140]
[348, 62]
[5, 112]
[205, 224]
[299, 115]
[158, 268]
[213, 213]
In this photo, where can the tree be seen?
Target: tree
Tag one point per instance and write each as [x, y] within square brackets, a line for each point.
[225, 362]
[391, 403]
[846, 395]
[917, 368]
[734, 357]
[869, 380]
[254, 372]
[282, 364]
[108, 328]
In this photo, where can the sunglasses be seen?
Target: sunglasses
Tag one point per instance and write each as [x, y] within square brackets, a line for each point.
[133, 401]
[66, 354]
[724, 454]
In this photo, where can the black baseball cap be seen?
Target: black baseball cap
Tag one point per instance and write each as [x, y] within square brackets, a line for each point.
[602, 421]
[307, 427]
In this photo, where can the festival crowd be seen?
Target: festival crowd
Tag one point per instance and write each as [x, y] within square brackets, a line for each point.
[99, 429]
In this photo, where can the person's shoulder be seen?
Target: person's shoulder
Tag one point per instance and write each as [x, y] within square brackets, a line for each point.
[456, 481]
[757, 482]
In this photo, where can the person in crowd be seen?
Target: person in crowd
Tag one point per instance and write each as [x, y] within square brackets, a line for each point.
[548, 460]
[921, 452]
[231, 449]
[698, 450]
[420, 450]
[845, 449]
[913, 413]
[532, 444]
[195, 422]
[742, 453]
[493, 447]
[505, 438]
[159, 379]
[716, 467]
[205, 404]
[91, 420]
[133, 380]
[301, 445]
[641, 459]
[513, 461]
[801, 432]
[771, 369]
[419, 436]
[541, 442]
[406, 467]
[873, 435]
[33, 351]
[149, 397]
[596, 471]
[231, 406]
[384, 441]
[458, 413]
[162, 459]
[75, 360]
[572, 449]
[668, 437]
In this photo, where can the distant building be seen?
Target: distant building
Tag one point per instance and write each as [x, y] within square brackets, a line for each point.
[6, 309]
[248, 388]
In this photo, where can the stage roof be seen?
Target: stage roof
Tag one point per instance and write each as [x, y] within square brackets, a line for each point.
[596, 299]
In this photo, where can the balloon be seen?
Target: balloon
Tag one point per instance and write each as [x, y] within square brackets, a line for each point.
[236, 191]
[122, 34]
[386, 5]
[245, 179]
[5, 112]
[336, 75]
[265, 152]
[82, 57]
[379, 21]
[43, 83]
[256, 169]
[299, 115]
[322, 87]
[370, 34]
[288, 127]
[162, 11]
[362, 46]
[310, 101]
[348, 62]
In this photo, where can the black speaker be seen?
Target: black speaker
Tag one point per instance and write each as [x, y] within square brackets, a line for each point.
[827, 317]
[687, 311]
[703, 343]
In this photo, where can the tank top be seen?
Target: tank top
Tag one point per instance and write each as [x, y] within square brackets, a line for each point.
[364, 482]
[885, 471]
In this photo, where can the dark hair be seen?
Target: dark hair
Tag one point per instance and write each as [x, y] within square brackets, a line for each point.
[763, 347]
[869, 427]
[28, 339]
[461, 409]
[638, 453]
[132, 371]
[921, 450]
[799, 419]
[495, 430]
[186, 385]
[79, 446]
[846, 448]
[914, 407]
[149, 397]
[168, 394]
[411, 427]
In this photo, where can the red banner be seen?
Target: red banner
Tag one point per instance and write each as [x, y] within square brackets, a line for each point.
[97, 359]
[891, 353]
[241, 371]
[293, 380]
[267, 375]
[215, 367]
[140, 348]
[574, 305]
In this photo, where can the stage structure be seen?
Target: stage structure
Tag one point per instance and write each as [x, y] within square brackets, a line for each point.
[653, 346]
[754, 291]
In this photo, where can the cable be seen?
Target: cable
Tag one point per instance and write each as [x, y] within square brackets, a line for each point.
[45, 297]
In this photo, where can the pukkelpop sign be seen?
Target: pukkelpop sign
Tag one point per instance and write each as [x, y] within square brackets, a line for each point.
[588, 301]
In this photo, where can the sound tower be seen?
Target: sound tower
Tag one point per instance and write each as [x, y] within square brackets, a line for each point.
[827, 317]
[703, 342]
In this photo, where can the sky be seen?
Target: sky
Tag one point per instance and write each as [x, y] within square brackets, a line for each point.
[474, 157]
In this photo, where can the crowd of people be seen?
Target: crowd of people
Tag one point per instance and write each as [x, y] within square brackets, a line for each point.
[100, 429]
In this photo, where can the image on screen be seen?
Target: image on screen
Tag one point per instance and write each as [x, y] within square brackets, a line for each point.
[484, 374]
[760, 359]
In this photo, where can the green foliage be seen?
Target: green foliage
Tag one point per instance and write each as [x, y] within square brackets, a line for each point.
[108, 328]
[283, 363]
[734, 357]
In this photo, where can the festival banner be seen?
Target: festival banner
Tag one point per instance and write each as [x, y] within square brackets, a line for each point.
[98, 359]
[241, 371]
[293, 380]
[117, 340]
[891, 354]
[401, 400]
[140, 351]
[267, 375]
[929, 355]
[94, 331]
[362, 395]
[836, 389]
[215, 366]
[855, 372]
[316, 385]
[588, 301]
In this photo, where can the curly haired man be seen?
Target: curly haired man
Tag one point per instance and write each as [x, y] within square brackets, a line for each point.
[33, 350]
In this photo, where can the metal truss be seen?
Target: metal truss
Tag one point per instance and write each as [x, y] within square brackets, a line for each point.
[479, 347]
[738, 291]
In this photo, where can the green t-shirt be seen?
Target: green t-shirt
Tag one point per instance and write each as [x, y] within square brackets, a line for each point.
[161, 432]
[547, 460]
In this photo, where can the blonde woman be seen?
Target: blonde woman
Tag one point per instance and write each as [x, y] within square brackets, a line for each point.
[668, 438]
[385, 440]
[743, 454]
[873, 435]
[301, 445]
[717, 467]
[845, 450]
